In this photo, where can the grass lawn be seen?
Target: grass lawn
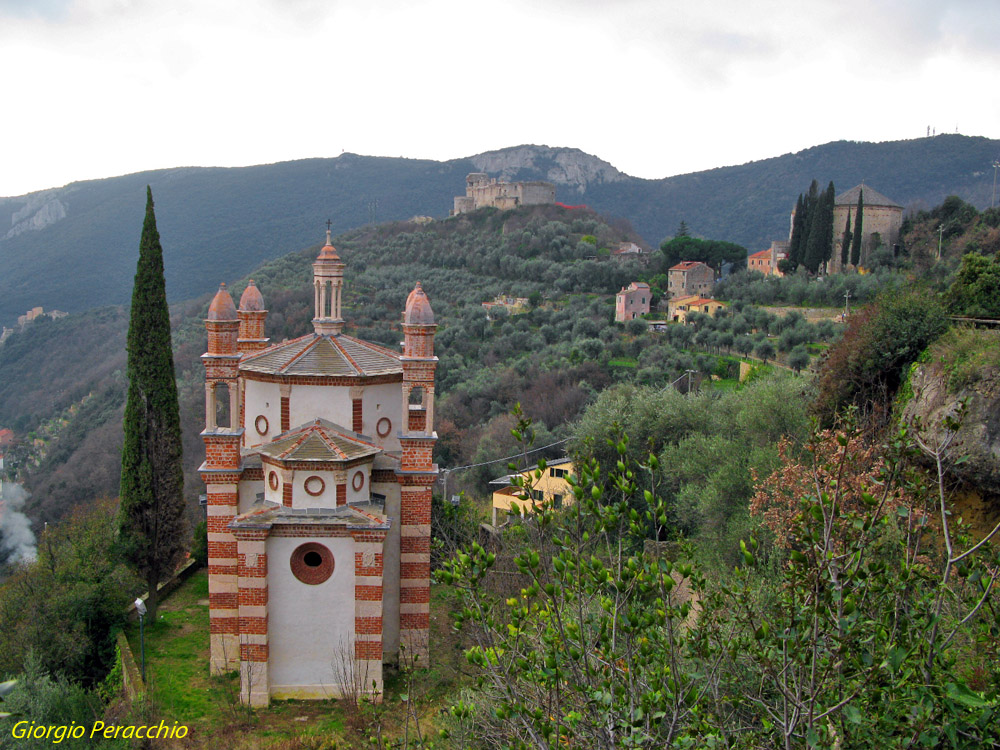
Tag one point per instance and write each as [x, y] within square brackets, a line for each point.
[182, 690]
[630, 362]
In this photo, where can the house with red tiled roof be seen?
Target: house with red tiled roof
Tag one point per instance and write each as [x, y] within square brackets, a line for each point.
[690, 277]
[679, 308]
[6, 437]
[766, 261]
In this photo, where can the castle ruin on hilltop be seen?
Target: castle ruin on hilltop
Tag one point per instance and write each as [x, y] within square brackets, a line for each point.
[481, 191]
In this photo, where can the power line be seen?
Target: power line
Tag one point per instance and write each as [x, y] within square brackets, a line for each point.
[506, 458]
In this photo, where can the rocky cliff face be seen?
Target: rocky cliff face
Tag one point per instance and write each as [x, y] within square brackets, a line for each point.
[563, 166]
[40, 210]
[973, 453]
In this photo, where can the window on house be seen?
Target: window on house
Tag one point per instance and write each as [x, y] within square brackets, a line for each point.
[557, 473]
[557, 500]
[537, 496]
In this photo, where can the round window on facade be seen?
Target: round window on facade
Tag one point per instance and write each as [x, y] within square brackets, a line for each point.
[358, 481]
[272, 480]
[383, 426]
[312, 563]
[261, 424]
[315, 486]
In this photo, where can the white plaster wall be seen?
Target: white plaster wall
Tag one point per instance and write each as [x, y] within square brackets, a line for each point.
[248, 494]
[275, 495]
[331, 402]
[364, 494]
[302, 499]
[261, 398]
[377, 401]
[308, 625]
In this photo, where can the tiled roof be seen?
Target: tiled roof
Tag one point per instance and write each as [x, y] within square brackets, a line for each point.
[268, 515]
[320, 441]
[686, 265]
[762, 255]
[872, 197]
[327, 354]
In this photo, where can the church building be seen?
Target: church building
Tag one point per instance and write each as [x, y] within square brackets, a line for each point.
[318, 471]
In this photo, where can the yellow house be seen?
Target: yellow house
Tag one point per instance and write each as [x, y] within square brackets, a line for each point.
[551, 487]
[679, 308]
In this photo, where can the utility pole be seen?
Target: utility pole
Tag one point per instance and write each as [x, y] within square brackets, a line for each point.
[847, 304]
[940, 239]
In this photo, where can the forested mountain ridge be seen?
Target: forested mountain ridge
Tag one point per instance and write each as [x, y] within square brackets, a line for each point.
[73, 248]
[61, 380]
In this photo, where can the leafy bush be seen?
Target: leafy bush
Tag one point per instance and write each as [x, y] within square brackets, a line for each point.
[869, 362]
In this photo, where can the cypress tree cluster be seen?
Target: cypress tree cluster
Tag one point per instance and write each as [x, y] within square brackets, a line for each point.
[153, 529]
[811, 243]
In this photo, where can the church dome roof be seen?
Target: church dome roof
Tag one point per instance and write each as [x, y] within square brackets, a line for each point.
[324, 355]
[222, 307]
[870, 197]
[321, 441]
[252, 300]
[418, 308]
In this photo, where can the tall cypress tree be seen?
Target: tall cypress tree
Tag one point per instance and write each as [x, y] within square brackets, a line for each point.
[845, 244]
[830, 199]
[858, 229]
[799, 230]
[151, 519]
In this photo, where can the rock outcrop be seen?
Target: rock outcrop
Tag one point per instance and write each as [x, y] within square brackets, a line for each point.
[973, 454]
[41, 210]
[563, 166]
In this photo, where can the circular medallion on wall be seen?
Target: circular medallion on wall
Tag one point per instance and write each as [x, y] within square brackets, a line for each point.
[272, 480]
[315, 485]
[358, 481]
[311, 563]
[261, 424]
[383, 427]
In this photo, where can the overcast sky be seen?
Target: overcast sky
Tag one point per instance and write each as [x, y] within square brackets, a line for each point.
[96, 88]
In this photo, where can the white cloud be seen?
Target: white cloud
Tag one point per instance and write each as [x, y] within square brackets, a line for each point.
[101, 87]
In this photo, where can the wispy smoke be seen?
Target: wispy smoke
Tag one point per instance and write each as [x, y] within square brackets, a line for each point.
[17, 541]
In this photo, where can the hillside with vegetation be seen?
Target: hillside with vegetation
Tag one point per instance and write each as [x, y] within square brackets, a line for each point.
[71, 248]
[794, 561]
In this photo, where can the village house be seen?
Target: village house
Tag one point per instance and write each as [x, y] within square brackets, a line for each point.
[690, 277]
[318, 475]
[513, 305]
[37, 312]
[678, 309]
[766, 261]
[551, 487]
[632, 301]
[630, 251]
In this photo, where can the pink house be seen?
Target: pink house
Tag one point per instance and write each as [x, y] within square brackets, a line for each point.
[632, 301]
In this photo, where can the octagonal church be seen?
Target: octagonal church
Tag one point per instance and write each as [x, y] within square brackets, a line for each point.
[318, 471]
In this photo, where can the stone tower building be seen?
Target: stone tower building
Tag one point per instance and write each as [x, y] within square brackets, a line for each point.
[318, 468]
[881, 216]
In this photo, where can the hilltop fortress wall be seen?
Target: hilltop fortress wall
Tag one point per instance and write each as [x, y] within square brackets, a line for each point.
[481, 191]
